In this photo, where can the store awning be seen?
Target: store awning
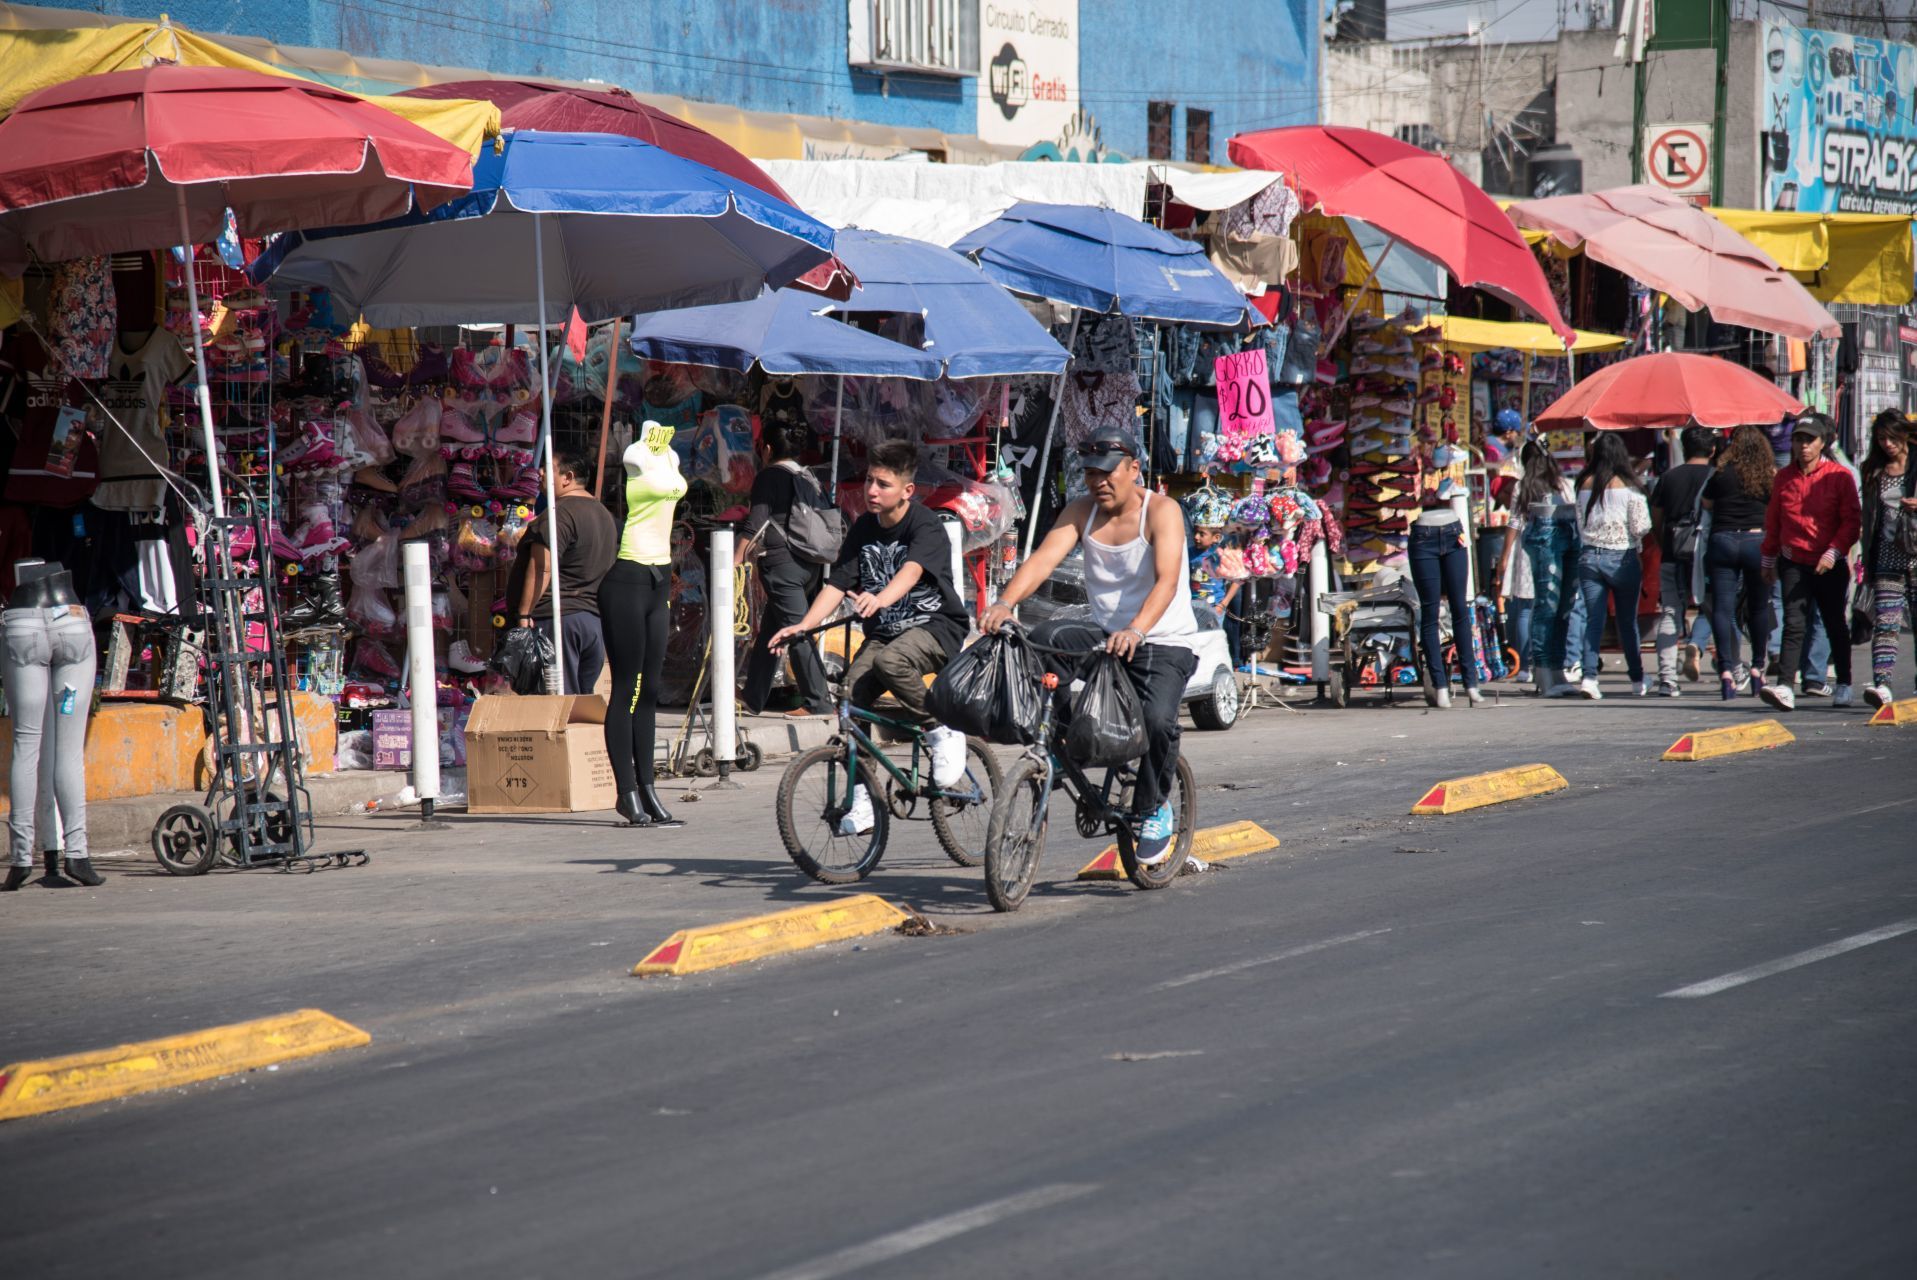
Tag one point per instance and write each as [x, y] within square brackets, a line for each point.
[34, 58]
[1862, 258]
[1468, 334]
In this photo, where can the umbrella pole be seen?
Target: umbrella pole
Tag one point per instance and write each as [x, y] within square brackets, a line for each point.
[555, 674]
[605, 414]
[199, 366]
[1045, 448]
[838, 430]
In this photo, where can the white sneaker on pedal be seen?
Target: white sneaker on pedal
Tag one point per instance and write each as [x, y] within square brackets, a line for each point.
[858, 819]
[1155, 836]
[948, 755]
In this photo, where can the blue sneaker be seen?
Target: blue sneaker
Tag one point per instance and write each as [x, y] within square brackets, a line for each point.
[1155, 836]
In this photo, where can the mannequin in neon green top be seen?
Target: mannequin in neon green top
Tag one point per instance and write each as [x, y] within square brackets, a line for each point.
[632, 611]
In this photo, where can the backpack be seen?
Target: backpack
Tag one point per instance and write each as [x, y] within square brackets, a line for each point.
[1684, 528]
[814, 528]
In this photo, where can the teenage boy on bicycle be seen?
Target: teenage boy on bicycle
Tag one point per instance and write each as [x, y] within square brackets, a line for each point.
[1135, 582]
[895, 568]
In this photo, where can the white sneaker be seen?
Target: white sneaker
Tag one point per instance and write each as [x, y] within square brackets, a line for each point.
[1877, 695]
[948, 755]
[1779, 696]
[858, 819]
[459, 656]
[1589, 689]
[1640, 689]
[1840, 695]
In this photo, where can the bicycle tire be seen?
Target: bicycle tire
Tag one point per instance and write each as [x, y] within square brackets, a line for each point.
[963, 826]
[1015, 840]
[1166, 869]
[856, 855]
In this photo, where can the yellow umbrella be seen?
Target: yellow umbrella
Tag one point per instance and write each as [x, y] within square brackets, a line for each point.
[1467, 334]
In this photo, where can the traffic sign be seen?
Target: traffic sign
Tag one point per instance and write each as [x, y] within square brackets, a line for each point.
[1677, 157]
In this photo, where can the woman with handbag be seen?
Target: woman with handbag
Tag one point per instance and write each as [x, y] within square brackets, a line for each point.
[1889, 543]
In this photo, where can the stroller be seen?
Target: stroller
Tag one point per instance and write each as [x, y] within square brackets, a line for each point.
[1374, 638]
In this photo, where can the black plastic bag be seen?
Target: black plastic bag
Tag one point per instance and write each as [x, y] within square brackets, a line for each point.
[524, 658]
[991, 691]
[1108, 724]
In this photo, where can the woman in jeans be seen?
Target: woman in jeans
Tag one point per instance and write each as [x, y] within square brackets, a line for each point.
[1890, 504]
[1613, 517]
[1736, 496]
[1543, 523]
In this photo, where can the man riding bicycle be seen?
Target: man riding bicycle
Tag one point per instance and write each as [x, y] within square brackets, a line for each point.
[1135, 582]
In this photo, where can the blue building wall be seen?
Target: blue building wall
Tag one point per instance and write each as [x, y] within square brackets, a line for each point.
[789, 56]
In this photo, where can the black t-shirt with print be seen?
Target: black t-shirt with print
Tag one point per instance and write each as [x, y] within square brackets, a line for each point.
[873, 555]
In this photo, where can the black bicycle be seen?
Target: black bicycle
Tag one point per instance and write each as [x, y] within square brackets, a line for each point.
[816, 794]
[1015, 838]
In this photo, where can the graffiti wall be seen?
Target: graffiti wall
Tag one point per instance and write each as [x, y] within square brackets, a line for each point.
[1840, 127]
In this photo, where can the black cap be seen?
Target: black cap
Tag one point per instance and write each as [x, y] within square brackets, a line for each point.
[1107, 446]
[1816, 424]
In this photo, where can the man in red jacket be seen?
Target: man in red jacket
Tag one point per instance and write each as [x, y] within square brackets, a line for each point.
[1810, 526]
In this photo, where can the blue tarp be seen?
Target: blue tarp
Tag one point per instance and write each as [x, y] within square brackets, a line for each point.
[1104, 261]
[783, 333]
[626, 227]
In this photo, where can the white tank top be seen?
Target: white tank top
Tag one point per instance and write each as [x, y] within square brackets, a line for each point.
[1117, 580]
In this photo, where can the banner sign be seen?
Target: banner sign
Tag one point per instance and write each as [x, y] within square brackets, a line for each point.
[1028, 86]
[1244, 395]
[1840, 128]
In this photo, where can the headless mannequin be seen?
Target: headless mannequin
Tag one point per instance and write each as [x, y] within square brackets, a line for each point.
[49, 691]
[632, 608]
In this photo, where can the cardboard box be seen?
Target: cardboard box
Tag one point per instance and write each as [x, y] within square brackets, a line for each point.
[538, 755]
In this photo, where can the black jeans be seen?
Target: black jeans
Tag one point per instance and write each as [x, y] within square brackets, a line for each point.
[632, 611]
[583, 652]
[1440, 566]
[789, 588]
[1731, 559]
[1159, 674]
[1829, 593]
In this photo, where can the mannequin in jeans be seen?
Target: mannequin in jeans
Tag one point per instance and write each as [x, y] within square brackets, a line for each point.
[49, 673]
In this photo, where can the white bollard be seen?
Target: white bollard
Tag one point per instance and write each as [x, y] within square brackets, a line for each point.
[1317, 581]
[719, 612]
[419, 674]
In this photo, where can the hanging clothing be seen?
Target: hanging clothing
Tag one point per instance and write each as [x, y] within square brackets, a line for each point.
[85, 315]
[132, 450]
[1094, 399]
[39, 401]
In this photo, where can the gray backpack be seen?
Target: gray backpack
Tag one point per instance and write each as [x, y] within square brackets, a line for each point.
[814, 528]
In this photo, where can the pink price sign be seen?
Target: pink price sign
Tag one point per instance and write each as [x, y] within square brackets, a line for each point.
[1244, 394]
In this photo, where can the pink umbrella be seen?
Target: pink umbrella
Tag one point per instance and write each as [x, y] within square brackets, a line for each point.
[1669, 389]
[1677, 248]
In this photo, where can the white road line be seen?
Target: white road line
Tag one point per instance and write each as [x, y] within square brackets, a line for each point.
[1711, 986]
[1274, 958]
[932, 1231]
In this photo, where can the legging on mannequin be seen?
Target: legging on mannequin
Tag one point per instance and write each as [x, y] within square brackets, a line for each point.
[632, 611]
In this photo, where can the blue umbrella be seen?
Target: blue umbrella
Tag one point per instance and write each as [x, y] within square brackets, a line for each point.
[972, 325]
[1104, 261]
[783, 334]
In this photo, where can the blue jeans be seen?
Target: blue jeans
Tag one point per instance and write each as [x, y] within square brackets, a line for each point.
[1618, 575]
[1551, 546]
[1440, 569]
[1731, 559]
[1517, 621]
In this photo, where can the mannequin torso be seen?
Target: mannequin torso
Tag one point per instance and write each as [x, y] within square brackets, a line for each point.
[653, 489]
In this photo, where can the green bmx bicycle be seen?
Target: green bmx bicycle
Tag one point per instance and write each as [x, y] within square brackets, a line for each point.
[816, 793]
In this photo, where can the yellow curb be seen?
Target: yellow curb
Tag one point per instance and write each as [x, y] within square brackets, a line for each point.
[715, 946]
[1210, 844]
[1455, 795]
[1708, 744]
[1902, 711]
[54, 1084]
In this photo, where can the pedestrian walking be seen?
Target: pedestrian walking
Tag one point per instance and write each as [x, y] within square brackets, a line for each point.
[1545, 534]
[1812, 521]
[1676, 514]
[790, 583]
[1889, 546]
[1737, 496]
[588, 544]
[1613, 517]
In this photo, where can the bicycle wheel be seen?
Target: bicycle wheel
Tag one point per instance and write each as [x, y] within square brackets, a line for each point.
[1166, 869]
[964, 820]
[1015, 838]
[814, 795]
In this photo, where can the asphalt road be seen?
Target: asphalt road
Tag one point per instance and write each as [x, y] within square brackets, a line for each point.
[1431, 1047]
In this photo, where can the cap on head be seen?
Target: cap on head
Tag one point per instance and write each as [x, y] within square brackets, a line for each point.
[1815, 424]
[1107, 446]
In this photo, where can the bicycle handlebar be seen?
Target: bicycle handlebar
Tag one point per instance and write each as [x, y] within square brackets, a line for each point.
[1023, 633]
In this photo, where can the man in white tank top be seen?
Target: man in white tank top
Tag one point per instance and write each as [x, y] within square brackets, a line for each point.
[1135, 582]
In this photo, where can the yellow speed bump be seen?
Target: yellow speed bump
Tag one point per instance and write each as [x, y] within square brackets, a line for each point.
[1708, 744]
[715, 946]
[54, 1084]
[1455, 795]
[1902, 711]
[1209, 844]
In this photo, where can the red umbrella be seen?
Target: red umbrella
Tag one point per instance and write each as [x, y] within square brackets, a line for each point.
[139, 159]
[533, 104]
[1410, 195]
[1669, 389]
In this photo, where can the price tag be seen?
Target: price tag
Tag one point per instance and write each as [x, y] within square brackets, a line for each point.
[1244, 393]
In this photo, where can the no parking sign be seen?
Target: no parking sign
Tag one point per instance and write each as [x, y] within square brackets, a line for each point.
[1677, 158]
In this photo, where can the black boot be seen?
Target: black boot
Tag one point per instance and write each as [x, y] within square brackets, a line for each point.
[53, 878]
[332, 611]
[661, 816]
[632, 809]
[16, 876]
[81, 869]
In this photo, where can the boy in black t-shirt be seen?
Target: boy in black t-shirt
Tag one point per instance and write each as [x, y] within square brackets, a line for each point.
[895, 571]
